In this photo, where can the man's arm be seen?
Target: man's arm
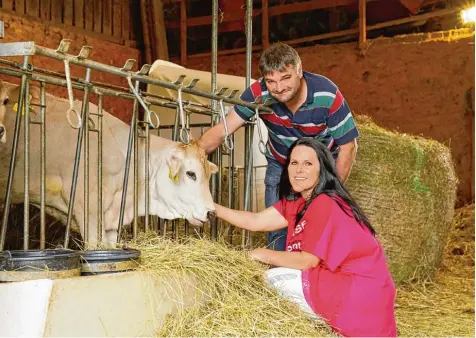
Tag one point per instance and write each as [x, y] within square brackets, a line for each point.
[213, 137]
[345, 160]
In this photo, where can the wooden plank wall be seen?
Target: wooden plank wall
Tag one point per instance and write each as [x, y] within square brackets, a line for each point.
[112, 18]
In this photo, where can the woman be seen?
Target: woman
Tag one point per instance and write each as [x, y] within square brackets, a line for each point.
[333, 264]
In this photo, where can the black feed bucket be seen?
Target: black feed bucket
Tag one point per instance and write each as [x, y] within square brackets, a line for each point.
[20, 265]
[97, 262]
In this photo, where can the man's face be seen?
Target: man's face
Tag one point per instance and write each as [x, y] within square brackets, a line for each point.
[283, 85]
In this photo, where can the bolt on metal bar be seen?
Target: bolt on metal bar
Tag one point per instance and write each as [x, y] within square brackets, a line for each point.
[42, 164]
[85, 105]
[11, 171]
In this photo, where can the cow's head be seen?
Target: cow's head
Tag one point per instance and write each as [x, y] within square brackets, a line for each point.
[8, 97]
[183, 185]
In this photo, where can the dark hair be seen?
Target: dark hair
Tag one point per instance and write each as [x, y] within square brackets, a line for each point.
[276, 57]
[328, 184]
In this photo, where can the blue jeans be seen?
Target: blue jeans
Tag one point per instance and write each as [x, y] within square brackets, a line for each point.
[276, 239]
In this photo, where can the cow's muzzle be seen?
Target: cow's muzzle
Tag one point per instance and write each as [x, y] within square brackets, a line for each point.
[211, 215]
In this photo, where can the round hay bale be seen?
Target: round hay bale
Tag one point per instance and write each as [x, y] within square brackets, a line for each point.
[407, 187]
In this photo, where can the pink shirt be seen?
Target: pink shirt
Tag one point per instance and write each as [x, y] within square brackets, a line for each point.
[351, 288]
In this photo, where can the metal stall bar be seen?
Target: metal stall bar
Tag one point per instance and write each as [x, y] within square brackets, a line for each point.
[72, 196]
[246, 239]
[100, 143]
[26, 157]
[16, 136]
[132, 130]
[215, 158]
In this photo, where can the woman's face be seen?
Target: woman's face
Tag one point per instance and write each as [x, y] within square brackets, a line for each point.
[303, 170]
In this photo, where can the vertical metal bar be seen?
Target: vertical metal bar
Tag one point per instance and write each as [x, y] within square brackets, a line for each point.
[146, 179]
[215, 155]
[231, 187]
[42, 165]
[74, 182]
[26, 177]
[128, 164]
[86, 177]
[176, 122]
[100, 143]
[245, 241]
[16, 136]
[135, 198]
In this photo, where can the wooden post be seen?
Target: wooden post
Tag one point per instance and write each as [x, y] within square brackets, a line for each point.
[145, 31]
[160, 36]
[362, 24]
[183, 33]
[265, 24]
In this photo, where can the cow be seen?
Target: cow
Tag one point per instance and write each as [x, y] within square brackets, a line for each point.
[8, 93]
[179, 174]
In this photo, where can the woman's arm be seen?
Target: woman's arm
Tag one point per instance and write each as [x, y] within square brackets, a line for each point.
[295, 260]
[267, 220]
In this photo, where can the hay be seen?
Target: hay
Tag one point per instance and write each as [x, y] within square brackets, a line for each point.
[446, 306]
[407, 187]
[239, 301]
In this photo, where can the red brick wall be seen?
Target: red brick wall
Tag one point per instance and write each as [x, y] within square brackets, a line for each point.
[19, 29]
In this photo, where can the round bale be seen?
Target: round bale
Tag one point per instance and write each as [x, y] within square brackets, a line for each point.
[407, 187]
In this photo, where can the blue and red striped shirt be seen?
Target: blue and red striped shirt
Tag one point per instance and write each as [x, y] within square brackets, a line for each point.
[325, 115]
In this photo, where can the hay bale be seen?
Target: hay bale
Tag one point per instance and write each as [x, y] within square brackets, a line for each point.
[407, 187]
[239, 301]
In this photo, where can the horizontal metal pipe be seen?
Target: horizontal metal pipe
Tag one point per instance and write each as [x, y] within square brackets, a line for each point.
[43, 51]
[95, 89]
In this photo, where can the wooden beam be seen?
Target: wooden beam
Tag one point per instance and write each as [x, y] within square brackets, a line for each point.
[79, 13]
[107, 17]
[116, 18]
[144, 10]
[362, 24]
[183, 33]
[89, 15]
[160, 37]
[7, 4]
[33, 8]
[57, 11]
[98, 16]
[20, 7]
[225, 52]
[391, 23]
[126, 19]
[353, 31]
[265, 24]
[45, 10]
[68, 12]
[272, 11]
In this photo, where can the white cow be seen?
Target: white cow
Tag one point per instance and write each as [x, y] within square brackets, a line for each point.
[179, 174]
[8, 93]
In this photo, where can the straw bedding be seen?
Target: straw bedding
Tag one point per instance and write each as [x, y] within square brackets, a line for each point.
[240, 303]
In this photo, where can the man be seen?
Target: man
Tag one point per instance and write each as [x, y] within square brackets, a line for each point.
[304, 105]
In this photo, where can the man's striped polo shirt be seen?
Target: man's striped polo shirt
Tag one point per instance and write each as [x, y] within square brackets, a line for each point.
[325, 115]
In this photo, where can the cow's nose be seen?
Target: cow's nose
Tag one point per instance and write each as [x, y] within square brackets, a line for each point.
[211, 215]
[2, 131]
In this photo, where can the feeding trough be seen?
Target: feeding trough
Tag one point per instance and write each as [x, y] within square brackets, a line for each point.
[20, 265]
[95, 262]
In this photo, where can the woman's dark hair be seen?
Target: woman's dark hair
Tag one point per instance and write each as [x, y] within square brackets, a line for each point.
[328, 184]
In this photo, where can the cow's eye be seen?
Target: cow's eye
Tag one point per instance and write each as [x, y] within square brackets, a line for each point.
[5, 102]
[192, 175]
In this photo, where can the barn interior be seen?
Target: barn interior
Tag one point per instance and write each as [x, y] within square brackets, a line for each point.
[407, 71]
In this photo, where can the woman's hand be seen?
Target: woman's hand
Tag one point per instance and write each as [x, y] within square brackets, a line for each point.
[295, 260]
[260, 254]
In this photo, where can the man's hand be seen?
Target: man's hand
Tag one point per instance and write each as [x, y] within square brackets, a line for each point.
[345, 160]
[213, 137]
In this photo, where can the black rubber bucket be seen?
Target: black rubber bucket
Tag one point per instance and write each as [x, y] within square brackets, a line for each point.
[20, 265]
[98, 262]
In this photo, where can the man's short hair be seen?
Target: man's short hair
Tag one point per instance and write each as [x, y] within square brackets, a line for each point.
[276, 57]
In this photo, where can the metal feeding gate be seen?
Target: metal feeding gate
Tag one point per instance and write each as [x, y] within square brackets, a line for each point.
[85, 124]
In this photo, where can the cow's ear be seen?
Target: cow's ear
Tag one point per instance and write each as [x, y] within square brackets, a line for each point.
[34, 94]
[175, 162]
[213, 167]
